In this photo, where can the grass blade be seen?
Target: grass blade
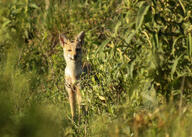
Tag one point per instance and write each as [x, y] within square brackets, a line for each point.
[141, 14]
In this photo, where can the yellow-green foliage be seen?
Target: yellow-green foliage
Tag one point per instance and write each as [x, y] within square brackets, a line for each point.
[141, 57]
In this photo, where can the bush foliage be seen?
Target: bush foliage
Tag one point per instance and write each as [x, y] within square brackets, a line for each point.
[141, 57]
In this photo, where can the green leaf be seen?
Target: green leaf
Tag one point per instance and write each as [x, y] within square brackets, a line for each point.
[141, 14]
[173, 70]
[129, 38]
[173, 46]
[117, 27]
[103, 44]
[132, 68]
[190, 45]
[183, 7]
[32, 5]
[6, 23]
[102, 98]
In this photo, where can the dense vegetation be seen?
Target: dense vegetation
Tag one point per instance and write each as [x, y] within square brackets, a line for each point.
[141, 57]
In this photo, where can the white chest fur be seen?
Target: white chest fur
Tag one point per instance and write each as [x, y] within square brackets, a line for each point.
[74, 71]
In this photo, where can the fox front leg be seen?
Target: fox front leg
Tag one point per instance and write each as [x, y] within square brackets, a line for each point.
[72, 101]
[78, 97]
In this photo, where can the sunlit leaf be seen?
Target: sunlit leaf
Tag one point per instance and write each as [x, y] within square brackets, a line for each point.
[33, 5]
[141, 14]
[101, 47]
[129, 38]
[174, 66]
[190, 45]
[117, 27]
[102, 98]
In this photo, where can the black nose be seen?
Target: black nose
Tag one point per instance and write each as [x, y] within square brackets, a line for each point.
[75, 57]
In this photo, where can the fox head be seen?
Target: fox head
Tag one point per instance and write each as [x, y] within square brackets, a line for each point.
[72, 50]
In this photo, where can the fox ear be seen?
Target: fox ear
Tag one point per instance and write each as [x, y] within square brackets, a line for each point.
[63, 40]
[80, 37]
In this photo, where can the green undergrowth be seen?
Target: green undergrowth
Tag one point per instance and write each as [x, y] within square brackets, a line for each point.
[140, 52]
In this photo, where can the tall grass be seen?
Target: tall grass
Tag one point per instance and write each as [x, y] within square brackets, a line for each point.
[141, 57]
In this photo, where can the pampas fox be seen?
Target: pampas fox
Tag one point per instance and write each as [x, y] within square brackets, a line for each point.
[73, 58]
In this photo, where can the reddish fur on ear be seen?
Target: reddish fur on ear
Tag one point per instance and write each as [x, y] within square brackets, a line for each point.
[63, 40]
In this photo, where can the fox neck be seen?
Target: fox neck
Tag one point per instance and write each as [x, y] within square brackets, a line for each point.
[73, 70]
[73, 65]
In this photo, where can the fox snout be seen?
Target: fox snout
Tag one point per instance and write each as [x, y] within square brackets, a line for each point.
[73, 57]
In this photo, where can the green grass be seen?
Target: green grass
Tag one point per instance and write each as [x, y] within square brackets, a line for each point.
[141, 57]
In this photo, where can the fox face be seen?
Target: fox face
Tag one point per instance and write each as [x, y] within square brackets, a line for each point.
[72, 50]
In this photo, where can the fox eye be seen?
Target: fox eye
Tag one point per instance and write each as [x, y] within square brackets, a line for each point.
[69, 50]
